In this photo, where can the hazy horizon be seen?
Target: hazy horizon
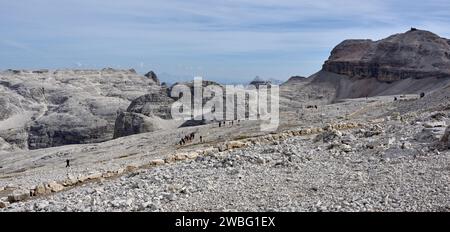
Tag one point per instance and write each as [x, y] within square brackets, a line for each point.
[230, 41]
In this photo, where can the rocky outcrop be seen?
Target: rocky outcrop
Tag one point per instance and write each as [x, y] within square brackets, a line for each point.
[445, 140]
[414, 62]
[152, 112]
[19, 195]
[259, 81]
[157, 104]
[144, 114]
[46, 108]
[153, 77]
[414, 54]
[132, 123]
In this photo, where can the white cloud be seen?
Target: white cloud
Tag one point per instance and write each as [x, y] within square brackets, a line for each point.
[15, 44]
[192, 33]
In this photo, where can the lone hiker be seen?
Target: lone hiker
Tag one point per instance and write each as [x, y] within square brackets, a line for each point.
[67, 163]
[201, 139]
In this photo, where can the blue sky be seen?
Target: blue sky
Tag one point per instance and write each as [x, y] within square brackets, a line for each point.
[221, 40]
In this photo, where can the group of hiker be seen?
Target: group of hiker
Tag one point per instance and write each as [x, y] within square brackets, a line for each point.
[312, 107]
[189, 138]
[421, 95]
[224, 123]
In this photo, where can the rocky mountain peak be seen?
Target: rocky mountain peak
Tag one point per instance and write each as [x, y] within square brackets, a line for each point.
[413, 54]
[259, 81]
[153, 76]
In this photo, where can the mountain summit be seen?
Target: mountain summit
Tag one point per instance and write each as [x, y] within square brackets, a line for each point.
[415, 54]
[413, 62]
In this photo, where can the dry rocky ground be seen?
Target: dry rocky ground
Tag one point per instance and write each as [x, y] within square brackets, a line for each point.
[386, 161]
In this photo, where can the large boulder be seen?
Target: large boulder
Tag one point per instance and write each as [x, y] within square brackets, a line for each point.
[328, 136]
[432, 132]
[4, 145]
[445, 140]
[429, 135]
[18, 195]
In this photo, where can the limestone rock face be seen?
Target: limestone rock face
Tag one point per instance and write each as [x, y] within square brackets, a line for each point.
[132, 123]
[157, 104]
[414, 62]
[52, 108]
[152, 112]
[414, 54]
[144, 114]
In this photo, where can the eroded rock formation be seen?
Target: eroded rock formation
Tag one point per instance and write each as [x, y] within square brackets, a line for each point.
[51, 108]
[414, 54]
[143, 113]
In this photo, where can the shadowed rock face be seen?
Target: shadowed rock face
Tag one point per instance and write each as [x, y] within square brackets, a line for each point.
[52, 108]
[152, 112]
[156, 104]
[414, 54]
[143, 113]
[153, 77]
[128, 123]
